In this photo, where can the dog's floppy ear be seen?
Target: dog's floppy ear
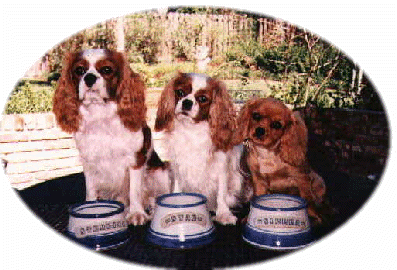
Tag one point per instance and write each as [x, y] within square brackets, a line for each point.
[293, 144]
[131, 105]
[222, 117]
[166, 108]
[243, 122]
[66, 101]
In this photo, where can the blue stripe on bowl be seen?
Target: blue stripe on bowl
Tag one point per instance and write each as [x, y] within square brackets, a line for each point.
[117, 206]
[171, 241]
[102, 242]
[274, 240]
[161, 198]
[196, 235]
[284, 197]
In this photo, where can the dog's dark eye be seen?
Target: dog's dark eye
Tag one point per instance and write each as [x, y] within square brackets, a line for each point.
[179, 93]
[106, 70]
[80, 70]
[202, 99]
[256, 116]
[276, 125]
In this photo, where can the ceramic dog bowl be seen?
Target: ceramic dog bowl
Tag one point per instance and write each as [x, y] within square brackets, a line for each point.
[98, 225]
[181, 220]
[278, 222]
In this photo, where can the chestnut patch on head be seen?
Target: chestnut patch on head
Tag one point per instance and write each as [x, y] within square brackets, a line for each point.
[204, 100]
[182, 87]
[180, 93]
[79, 69]
[111, 72]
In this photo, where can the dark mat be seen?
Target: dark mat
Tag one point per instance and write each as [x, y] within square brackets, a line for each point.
[50, 201]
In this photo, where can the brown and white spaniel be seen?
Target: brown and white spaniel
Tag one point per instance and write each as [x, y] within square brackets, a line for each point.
[101, 101]
[196, 113]
[276, 146]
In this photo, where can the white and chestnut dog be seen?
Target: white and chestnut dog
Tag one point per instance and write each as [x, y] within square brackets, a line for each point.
[101, 101]
[276, 146]
[197, 115]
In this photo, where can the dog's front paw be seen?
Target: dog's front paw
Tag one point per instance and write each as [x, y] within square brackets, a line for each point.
[137, 218]
[225, 218]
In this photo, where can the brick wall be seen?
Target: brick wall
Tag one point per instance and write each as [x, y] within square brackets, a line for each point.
[351, 141]
[33, 149]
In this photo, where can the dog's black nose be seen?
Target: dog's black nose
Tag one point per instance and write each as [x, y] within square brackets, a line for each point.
[259, 132]
[187, 105]
[90, 79]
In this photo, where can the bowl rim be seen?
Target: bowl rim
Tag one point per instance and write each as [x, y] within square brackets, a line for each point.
[159, 200]
[118, 208]
[255, 202]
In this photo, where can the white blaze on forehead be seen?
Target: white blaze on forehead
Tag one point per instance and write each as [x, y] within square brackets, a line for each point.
[94, 55]
[199, 81]
[96, 92]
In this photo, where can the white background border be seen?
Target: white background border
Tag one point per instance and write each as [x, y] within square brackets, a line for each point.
[365, 32]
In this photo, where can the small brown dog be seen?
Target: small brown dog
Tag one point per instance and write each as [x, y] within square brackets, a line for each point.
[275, 141]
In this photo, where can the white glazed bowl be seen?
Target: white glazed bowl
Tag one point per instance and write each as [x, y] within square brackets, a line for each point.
[181, 220]
[98, 225]
[278, 222]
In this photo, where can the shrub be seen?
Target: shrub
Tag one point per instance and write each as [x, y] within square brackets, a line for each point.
[158, 75]
[30, 98]
[186, 38]
[143, 38]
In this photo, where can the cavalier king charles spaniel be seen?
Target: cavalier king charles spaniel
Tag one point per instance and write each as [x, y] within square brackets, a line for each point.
[275, 140]
[197, 116]
[101, 101]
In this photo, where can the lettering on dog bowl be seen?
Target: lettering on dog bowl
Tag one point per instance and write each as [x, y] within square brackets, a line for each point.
[277, 222]
[183, 217]
[103, 227]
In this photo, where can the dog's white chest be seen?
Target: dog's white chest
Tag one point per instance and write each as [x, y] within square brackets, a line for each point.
[191, 153]
[102, 138]
[190, 145]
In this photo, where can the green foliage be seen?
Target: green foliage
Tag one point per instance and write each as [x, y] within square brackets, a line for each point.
[244, 95]
[185, 39]
[308, 68]
[99, 36]
[158, 75]
[245, 53]
[30, 98]
[200, 10]
[147, 40]
[296, 68]
[143, 37]
[191, 10]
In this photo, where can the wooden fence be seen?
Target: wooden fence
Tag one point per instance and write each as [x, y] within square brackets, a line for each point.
[171, 34]
[217, 32]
